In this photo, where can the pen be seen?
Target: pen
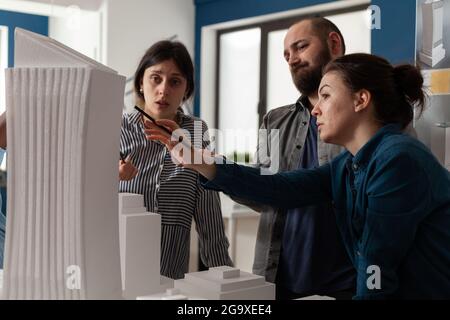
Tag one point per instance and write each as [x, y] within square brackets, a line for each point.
[145, 114]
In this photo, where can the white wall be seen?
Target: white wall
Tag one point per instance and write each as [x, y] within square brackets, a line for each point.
[78, 29]
[134, 25]
[120, 31]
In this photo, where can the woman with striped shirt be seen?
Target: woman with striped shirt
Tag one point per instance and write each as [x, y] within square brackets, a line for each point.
[163, 80]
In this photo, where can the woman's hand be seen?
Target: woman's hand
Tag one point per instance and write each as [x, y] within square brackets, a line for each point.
[181, 150]
[182, 153]
[127, 170]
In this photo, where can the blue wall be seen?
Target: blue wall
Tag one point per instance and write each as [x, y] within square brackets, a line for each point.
[35, 23]
[395, 40]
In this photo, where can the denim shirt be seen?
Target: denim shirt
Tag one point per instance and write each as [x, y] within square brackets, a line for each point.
[392, 202]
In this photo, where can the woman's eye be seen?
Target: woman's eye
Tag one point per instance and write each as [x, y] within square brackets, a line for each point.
[176, 82]
[325, 96]
[155, 79]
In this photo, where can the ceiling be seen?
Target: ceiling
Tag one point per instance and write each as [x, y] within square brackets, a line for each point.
[83, 4]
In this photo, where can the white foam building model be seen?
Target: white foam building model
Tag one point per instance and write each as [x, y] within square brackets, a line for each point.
[140, 248]
[218, 283]
[317, 297]
[226, 283]
[64, 116]
[432, 32]
[170, 294]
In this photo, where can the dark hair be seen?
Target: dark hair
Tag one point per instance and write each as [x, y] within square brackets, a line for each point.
[395, 90]
[322, 27]
[162, 51]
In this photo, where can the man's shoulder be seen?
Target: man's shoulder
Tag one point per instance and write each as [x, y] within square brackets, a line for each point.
[283, 111]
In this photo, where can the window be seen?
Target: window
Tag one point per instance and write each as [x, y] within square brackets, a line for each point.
[239, 90]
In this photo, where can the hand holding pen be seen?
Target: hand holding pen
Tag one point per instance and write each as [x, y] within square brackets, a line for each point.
[183, 153]
[151, 123]
[200, 160]
[127, 170]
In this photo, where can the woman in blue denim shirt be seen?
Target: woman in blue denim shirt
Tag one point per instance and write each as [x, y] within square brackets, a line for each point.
[391, 195]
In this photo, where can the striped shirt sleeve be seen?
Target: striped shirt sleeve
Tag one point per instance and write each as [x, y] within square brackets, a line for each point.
[209, 222]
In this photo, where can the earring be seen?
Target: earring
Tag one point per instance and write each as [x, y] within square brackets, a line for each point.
[142, 90]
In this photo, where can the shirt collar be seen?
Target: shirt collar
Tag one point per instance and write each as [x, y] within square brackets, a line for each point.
[301, 103]
[134, 117]
[363, 156]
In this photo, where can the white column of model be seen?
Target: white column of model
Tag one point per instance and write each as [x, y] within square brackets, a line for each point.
[64, 116]
[140, 248]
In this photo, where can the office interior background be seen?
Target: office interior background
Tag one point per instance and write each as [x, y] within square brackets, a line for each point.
[227, 39]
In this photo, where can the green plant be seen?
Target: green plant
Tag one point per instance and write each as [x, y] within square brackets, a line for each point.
[242, 157]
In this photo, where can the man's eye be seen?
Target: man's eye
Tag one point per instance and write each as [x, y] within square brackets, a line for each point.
[301, 46]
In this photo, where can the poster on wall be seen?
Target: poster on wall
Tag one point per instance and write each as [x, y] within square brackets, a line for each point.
[433, 34]
[433, 57]
[433, 44]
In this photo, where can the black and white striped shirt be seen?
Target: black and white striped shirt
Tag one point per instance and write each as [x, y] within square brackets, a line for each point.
[176, 194]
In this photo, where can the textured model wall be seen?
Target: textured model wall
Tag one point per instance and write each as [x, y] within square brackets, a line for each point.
[62, 237]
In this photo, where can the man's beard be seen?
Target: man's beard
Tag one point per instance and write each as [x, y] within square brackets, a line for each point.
[307, 79]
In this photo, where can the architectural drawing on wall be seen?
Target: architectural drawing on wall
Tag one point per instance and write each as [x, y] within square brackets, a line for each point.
[140, 248]
[64, 115]
[432, 32]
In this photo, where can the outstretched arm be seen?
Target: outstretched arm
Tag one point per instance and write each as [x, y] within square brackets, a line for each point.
[280, 190]
[284, 190]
